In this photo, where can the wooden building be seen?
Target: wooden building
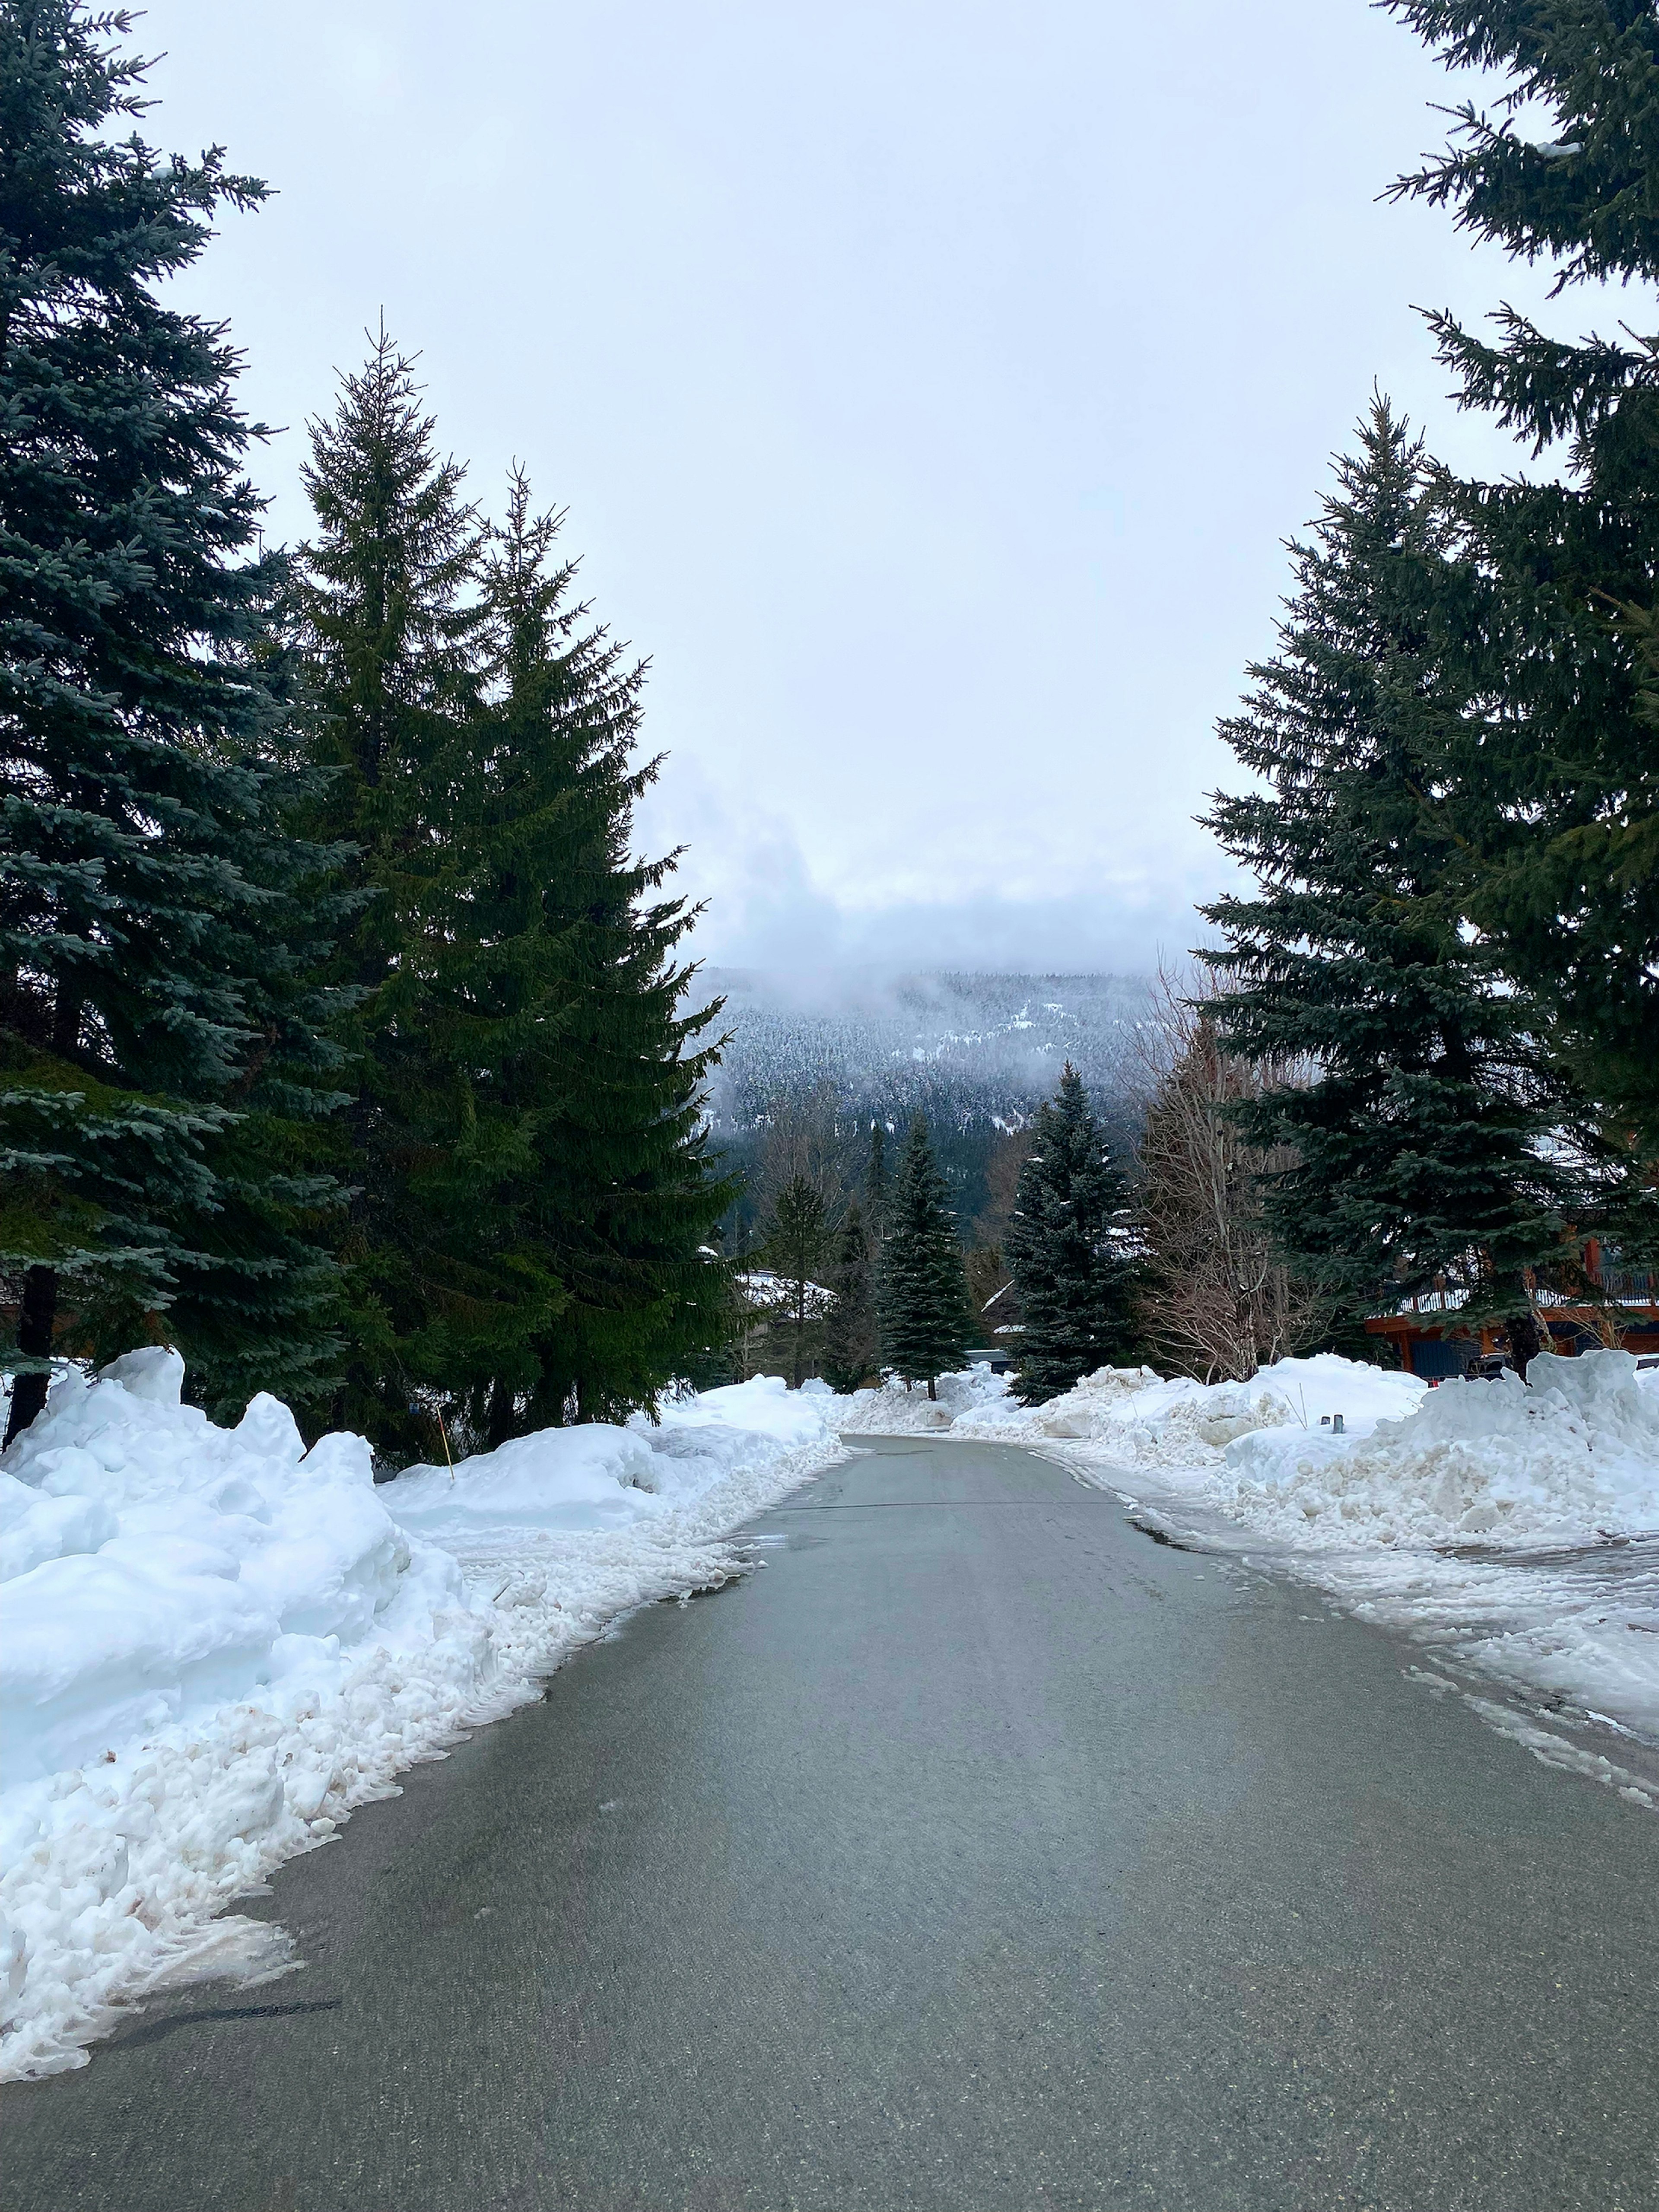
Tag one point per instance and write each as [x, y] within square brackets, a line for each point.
[1433, 1343]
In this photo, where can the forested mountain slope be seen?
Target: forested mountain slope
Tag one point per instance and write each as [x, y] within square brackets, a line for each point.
[975, 1053]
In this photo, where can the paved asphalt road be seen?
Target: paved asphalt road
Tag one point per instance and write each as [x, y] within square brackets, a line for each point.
[979, 1853]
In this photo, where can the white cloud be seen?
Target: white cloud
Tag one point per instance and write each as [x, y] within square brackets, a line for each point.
[767, 908]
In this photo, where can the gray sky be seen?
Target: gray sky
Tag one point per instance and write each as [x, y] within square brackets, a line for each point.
[930, 384]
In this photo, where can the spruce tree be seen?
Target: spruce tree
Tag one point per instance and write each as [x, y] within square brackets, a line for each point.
[1069, 1250]
[851, 1341]
[1554, 791]
[531, 1242]
[1420, 1139]
[158, 1032]
[391, 634]
[923, 1297]
[606, 1059]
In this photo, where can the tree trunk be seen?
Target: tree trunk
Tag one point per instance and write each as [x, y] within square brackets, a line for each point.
[66, 1022]
[500, 1420]
[34, 1329]
[1524, 1338]
[932, 1387]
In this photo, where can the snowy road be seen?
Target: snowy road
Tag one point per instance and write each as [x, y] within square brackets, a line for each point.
[979, 1853]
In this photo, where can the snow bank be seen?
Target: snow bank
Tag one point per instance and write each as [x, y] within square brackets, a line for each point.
[1569, 1455]
[217, 1644]
[154, 1564]
[1141, 1418]
[1147, 1421]
[894, 1411]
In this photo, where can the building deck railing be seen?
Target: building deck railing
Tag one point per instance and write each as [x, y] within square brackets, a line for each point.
[1627, 1286]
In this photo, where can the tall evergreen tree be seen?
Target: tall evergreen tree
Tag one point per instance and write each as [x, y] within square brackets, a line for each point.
[604, 1069]
[392, 631]
[1069, 1247]
[157, 1032]
[530, 1242]
[1554, 789]
[1420, 1140]
[851, 1340]
[923, 1293]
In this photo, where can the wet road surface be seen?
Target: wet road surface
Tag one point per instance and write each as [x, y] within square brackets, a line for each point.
[979, 1853]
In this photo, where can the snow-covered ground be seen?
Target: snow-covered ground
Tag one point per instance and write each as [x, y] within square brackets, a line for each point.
[217, 1645]
[1511, 1530]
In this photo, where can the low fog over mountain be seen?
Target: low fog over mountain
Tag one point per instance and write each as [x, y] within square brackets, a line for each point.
[976, 1053]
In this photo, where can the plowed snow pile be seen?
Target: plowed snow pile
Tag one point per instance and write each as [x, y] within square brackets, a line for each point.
[1571, 1453]
[216, 1645]
[1143, 1420]
[893, 1411]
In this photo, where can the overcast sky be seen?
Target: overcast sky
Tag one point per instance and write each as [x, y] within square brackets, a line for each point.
[931, 386]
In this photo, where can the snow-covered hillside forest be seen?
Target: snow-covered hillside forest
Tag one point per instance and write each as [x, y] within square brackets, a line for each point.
[974, 1055]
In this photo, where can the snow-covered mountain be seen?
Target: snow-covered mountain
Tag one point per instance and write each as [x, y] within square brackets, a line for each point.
[977, 1055]
[967, 1049]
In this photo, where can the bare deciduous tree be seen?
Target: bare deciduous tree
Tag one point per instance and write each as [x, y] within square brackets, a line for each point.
[798, 1241]
[809, 1138]
[1218, 1302]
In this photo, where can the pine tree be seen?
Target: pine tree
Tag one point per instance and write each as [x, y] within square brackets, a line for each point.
[1070, 1250]
[531, 1242]
[158, 1033]
[1554, 792]
[1420, 1141]
[851, 1342]
[603, 1068]
[923, 1301]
